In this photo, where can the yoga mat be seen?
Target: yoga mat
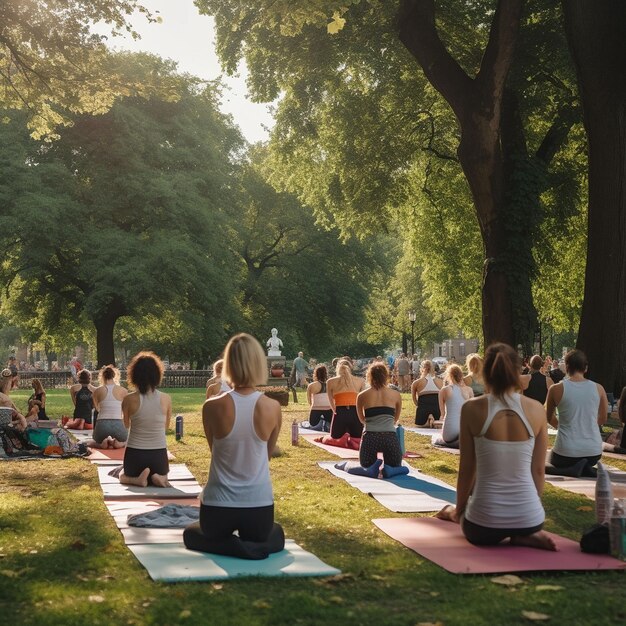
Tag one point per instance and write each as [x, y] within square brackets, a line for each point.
[134, 536]
[587, 486]
[113, 454]
[428, 432]
[342, 453]
[180, 489]
[178, 472]
[174, 563]
[443, 543]
[411, 493]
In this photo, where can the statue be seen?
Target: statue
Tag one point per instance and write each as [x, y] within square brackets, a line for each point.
[274, 344]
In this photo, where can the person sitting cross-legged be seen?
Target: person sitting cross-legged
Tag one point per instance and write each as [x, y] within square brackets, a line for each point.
[503, 449]
[241, 427]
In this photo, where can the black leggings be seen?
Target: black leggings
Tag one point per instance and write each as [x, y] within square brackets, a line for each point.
[560, 461]
[258, 536]
[484, 536]
[136, 461]
[320, 414]
[345, 421]
[428, 404]
[372, 443]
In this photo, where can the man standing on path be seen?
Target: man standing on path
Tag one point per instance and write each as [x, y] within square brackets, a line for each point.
[300, 365]
[404, 373]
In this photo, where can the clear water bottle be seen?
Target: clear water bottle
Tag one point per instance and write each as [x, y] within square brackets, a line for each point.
[604, 496]
[179, 427]
[617, 530]
[294, 433]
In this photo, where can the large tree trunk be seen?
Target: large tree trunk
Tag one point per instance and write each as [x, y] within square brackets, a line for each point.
[104, 338]
[597, 37]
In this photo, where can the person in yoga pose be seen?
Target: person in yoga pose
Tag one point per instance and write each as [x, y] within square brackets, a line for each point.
[82, 397]
[241, 428]
[425, 394]
[39, 394]
[378, 408]
[535, 384]
[10, 414]
[217, 384]
[583, 407]
[317, 397]
[451, 398]
[503, 449]
[474, 378]
[342, 391]
[109, 431]
[147, 413]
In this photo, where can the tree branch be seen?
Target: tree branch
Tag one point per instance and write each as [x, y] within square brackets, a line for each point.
[557, 134]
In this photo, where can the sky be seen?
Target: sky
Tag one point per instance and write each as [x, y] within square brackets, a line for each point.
[188, 38]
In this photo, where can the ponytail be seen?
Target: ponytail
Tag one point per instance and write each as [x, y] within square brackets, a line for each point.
[501, 369]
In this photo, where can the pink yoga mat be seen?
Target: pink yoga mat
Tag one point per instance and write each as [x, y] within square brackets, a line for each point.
[443, 543]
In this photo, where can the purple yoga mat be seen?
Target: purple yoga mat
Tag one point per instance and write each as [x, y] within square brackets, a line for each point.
[443, 543]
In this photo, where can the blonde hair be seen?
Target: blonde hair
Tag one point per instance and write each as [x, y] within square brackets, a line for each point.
[218, 366]
[38, 387]
[454, 374]
[344, 371]
[474, 363]
[245, 364]
[427, 367]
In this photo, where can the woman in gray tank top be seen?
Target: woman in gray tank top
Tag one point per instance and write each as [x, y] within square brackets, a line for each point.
[241, 428]
[583, 408]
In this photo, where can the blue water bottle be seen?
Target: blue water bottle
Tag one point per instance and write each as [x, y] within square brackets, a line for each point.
[400, 434]
[179, 427]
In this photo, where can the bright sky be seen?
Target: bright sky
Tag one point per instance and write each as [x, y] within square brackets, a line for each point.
[188, 38]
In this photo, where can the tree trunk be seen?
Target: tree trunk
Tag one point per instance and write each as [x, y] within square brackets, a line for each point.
[104, 338]
[596, 34]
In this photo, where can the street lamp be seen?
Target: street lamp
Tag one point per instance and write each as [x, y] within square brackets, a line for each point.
[412, 318]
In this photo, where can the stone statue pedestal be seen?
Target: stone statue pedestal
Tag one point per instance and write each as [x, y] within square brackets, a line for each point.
[275, 359]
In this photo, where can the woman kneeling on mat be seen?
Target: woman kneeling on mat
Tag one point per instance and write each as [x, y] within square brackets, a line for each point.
[147, 413]
[241, 428]
[503, 450]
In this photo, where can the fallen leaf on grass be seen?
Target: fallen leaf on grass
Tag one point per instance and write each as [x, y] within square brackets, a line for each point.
[508, 579]
[9, 573]
[261, 604]
[217, 586]
[338, 578]
[548, 588]
[184, 614]
[336, 599]
[434, 594]
[429, 624]
[585, 508]
[535, 617]
[83, 578]
[377, 577]
[96, 598]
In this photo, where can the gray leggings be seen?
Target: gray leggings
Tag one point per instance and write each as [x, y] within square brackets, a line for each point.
[109, 428]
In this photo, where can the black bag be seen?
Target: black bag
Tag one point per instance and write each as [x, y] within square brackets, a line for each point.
[595, 540]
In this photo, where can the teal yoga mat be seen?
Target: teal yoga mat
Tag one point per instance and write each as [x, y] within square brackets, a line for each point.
[172, 562]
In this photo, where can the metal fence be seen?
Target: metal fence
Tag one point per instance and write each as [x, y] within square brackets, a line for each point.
[171, 378]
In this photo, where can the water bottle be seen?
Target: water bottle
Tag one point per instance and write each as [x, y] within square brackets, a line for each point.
[604, 496]
[179, 427]
[617, 531]
[294, 433]
[400, 435]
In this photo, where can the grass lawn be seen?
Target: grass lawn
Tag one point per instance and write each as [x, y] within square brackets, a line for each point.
[63, 560]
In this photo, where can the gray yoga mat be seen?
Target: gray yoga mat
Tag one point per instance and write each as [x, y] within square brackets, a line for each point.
[178, 472]
[411, 493]
[172, 562]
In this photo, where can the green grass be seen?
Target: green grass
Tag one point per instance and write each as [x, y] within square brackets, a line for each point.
[59, 546]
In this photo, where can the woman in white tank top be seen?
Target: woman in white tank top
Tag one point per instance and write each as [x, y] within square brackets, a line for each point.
[146, 413]
[109, 431]
[451, 399]
[503, 447]
[241, 428]
[583, 408]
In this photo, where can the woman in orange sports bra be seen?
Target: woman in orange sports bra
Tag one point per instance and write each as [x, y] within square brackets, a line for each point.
[342, 391]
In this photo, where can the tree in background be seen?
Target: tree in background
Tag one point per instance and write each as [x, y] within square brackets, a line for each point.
[597, 38]
[125, 215]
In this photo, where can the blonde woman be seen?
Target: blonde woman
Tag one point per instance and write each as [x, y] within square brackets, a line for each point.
[474, 378]
[425, 394]
[39, 394]
[342, 391]
[241, 427]
[109, 431]
[217, 384]
[451, 398]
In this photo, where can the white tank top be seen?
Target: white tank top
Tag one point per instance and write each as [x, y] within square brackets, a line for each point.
[578, 433]
[239, 476]
[452, 418]
[320, 400]
[430, 386]
[504, 494]
[224, 386]
[110, 407]
[147, 426]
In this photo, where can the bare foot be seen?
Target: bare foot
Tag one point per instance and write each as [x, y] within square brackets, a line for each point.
[137, 481]
[160, 480]
[108, 443]
[448, 513]
[430, 423]
[118, 444]
[540, 540]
